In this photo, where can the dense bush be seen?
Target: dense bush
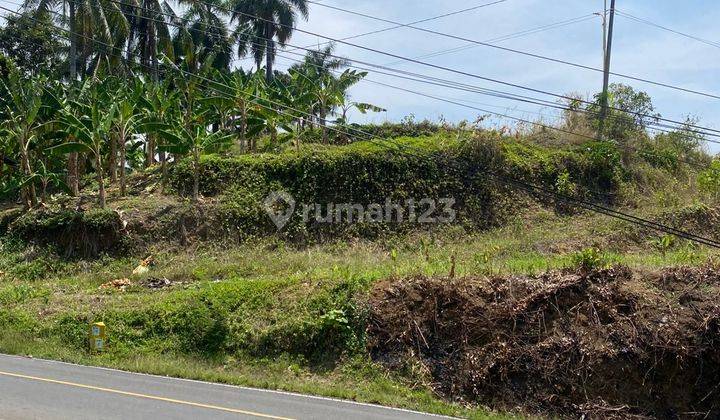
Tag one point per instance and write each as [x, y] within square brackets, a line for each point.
[408, 127]
[474, 173]
[73, 233]
[257, 318]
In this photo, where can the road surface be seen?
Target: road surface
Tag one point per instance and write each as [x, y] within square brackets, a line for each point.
[41, 389]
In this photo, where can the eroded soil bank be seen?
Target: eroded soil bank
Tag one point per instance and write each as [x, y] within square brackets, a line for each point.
[605, 343]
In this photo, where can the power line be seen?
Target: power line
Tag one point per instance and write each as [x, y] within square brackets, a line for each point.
[526, 53]
[421, 62]
[683, 124]
[469, 9]
[506, 37]
[534, 123]
[650, 23]
[501, 95]
[484, 91]
[507, 180]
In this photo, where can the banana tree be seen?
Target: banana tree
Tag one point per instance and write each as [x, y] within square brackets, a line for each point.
[293, 97]
[193, 142]
[159, 104]
[346, 105]
[126, 123]
[330, 93]
[46, 178]
[236, 102]
[89, 122]
[22, 123]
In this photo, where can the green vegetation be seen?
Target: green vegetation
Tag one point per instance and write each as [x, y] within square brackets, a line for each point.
[132, 181]
[272, 315]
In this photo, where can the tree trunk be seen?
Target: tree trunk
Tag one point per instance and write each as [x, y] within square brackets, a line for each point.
[323, 126]
[123, 162]
[131, 36]
[73, 180]
[163, 165]
[152, 33]
[243, 127]
[196, 176]
[101, 182]
[30, 195]
[112, 159]
[43, 198]
[149, 151]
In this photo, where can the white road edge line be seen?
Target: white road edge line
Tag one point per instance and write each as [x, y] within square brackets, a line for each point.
[271, 391]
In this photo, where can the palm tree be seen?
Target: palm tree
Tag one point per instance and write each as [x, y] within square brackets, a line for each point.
[204, 35]
[97, 27]
[149, 32]
[318, 63]
[45, 6]
[261, 22]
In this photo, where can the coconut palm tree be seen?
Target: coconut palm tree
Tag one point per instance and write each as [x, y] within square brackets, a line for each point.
[262, 25]
[68, 12]
[204, 34]
[97, 29]
[149, 32]
[318, 63]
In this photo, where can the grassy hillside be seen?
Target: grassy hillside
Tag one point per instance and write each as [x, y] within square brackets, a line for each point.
[226, 299]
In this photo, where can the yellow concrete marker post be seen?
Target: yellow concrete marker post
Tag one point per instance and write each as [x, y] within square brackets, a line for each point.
[98, 337]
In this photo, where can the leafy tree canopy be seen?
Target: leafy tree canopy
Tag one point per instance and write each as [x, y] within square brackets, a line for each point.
[33, 43]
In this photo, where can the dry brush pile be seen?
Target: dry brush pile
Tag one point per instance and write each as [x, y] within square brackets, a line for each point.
[608, 343]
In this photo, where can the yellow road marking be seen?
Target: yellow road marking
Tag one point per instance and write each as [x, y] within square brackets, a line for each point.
[150, 397]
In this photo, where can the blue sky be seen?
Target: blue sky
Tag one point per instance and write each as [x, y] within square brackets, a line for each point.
[639, 50]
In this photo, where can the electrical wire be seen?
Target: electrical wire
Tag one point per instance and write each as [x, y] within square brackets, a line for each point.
[527, 186]
[565, 97]
[512, 50]
[469, 9]
[650, 23]
[507, 37]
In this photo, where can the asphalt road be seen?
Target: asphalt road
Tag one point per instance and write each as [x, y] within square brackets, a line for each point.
[41, 389]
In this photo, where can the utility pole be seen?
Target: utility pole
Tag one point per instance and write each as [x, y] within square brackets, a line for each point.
[606, 76]
[72, 57]
[604, 34]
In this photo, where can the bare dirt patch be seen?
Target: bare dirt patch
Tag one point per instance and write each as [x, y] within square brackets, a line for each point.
[608, 343]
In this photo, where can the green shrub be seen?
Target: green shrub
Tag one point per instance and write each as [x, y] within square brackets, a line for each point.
[417, 168]
[73, 233]
[198, 326]
[709, 179]
[589, 259]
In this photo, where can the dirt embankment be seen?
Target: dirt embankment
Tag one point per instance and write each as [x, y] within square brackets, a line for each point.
[608, 343]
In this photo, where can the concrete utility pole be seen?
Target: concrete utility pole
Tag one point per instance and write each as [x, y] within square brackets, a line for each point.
[606, 78]
[604, 34]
